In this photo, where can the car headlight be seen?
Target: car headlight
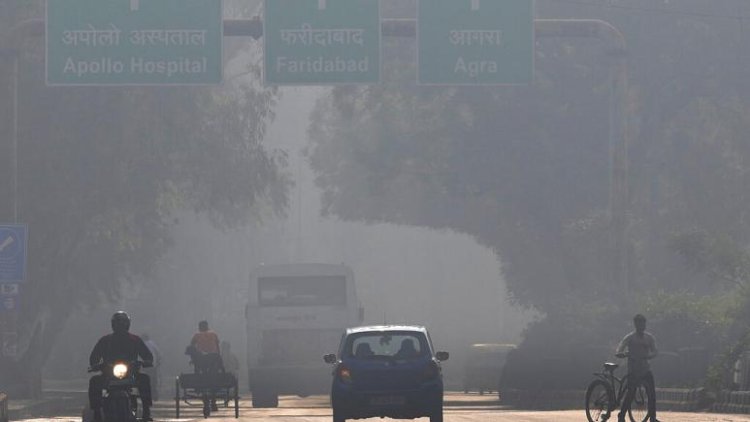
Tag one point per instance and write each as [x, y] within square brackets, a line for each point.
[120, 370]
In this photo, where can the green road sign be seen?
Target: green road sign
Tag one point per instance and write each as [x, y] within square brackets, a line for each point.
[475, 42]
[134, 42]
[321, 42]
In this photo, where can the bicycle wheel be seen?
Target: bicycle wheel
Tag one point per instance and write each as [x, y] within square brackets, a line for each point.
[639, 407]
[598, 401]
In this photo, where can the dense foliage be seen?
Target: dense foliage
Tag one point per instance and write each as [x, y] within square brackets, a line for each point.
[525, 169]
[104, 170]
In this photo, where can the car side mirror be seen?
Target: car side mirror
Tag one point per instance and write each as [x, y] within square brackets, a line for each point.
[442, 356]
[329, 358]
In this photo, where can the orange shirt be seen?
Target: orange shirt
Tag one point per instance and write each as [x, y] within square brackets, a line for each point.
[206, 341]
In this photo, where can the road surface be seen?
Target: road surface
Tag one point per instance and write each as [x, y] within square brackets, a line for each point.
[460, 408]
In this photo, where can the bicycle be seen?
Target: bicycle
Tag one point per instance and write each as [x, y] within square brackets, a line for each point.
[605, 393]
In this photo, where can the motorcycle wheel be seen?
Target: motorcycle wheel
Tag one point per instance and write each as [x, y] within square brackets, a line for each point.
[118, 409]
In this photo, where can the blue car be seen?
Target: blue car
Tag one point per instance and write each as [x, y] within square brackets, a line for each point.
[387, 371]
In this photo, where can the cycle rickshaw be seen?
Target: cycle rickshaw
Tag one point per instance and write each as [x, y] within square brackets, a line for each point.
[205, 389]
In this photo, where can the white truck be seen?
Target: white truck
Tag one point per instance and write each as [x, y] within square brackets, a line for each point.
[295, 314]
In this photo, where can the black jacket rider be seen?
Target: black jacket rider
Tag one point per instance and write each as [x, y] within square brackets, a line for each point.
[120, 345]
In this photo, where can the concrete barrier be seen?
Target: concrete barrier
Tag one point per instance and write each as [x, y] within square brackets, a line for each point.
[680, 399]
[732, 402]
[3, 407]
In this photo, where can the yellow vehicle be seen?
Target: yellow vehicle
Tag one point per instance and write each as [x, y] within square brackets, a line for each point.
[484, 364]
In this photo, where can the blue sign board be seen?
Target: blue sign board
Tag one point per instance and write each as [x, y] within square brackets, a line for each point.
[13, 240]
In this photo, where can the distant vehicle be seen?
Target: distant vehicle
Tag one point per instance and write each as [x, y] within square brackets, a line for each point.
[387, 371]
[484, 365]
[295, 313]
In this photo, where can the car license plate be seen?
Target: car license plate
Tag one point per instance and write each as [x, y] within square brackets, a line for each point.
[387, 401]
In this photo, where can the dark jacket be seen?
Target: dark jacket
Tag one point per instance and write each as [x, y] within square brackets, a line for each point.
[114, 347]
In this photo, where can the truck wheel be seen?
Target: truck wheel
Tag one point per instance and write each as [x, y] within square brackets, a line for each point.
[265, 399]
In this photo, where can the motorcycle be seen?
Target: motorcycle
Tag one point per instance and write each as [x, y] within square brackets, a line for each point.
[120, 391]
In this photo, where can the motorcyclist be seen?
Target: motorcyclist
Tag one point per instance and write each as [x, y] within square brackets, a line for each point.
[121, 345]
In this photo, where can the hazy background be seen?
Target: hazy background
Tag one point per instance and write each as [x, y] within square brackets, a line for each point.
[111, 182]
[440, 279]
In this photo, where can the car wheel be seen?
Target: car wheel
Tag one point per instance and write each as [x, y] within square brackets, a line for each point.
[338, 417]
[437, 416]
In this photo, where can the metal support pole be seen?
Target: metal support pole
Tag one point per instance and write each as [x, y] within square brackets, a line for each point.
[9, 59]
[14, 135]
[619, 173]
[618, 136]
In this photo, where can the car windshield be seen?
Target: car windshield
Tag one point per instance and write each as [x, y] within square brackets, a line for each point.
[388, 345]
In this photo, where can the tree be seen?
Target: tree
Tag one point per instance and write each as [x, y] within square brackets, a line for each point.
[102, 172]
[525, 169]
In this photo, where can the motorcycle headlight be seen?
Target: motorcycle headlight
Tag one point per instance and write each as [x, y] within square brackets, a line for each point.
[120, 370]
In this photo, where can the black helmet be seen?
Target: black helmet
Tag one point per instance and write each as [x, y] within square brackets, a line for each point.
[120, 322]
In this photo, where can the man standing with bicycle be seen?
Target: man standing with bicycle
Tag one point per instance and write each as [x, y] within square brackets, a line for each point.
[639, 347]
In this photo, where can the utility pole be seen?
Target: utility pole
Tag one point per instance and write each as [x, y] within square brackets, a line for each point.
[9, 318]
[618, 209]
[10, 57]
